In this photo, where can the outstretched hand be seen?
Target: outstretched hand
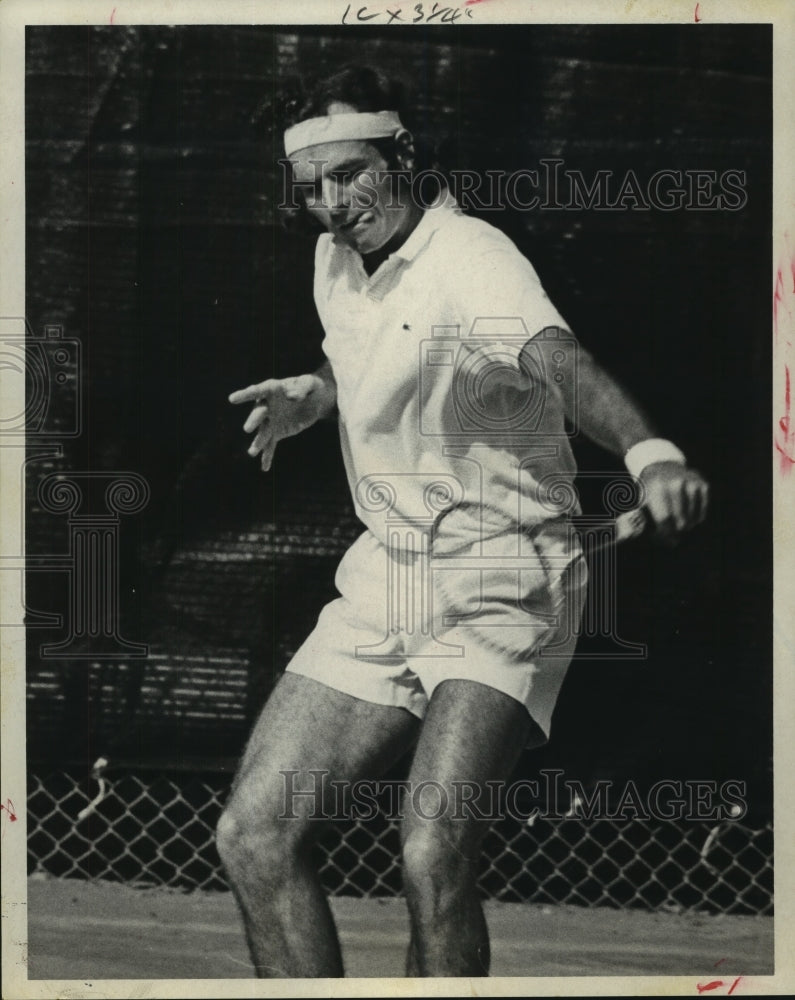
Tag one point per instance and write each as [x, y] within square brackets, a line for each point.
[676, 498]
[283, 407]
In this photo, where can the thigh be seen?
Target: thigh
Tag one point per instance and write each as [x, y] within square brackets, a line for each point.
[352, 648]
[472, 734]
[307, 727]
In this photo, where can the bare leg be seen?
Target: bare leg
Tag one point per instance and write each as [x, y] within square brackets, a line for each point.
[472, 734]
[266, 832]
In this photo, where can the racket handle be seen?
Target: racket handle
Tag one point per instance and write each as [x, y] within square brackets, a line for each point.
[630, 524]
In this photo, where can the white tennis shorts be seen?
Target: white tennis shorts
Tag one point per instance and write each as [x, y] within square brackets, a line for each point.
[481, 605]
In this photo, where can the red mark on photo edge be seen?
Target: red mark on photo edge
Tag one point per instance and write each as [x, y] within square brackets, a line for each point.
[715, 983]
[779, 294]
[695, 14]
[112, 15]
[783, 317]
[9, 808]
[787, 447]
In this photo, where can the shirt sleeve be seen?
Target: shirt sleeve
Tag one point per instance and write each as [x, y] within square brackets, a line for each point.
[500, 284]
[503, 306]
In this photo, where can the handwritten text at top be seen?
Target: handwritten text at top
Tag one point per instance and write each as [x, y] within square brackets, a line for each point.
[425, 13]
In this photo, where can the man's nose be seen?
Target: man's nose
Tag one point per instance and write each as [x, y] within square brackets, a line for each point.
[336, 198]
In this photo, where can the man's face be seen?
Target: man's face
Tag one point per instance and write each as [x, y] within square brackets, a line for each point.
[344, 192]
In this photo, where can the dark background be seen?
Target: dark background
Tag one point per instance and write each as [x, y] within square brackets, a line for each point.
[153, 238]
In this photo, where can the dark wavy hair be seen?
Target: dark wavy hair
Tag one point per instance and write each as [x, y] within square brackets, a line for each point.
[366, 89]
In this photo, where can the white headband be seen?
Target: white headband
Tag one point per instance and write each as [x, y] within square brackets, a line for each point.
[333, 128]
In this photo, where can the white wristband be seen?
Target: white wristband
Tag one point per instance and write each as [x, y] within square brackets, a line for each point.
[650, 451]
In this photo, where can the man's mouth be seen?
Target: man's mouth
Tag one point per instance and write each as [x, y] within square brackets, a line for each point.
[360, 221]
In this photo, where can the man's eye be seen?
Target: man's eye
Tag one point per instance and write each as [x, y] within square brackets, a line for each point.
[346, 176]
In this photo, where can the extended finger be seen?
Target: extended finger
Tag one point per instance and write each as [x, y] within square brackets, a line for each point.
[255, 418]
[263, 439]
[266, 458]
[253, 393]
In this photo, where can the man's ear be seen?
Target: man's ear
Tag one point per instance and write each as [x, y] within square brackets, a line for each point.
[404, 148]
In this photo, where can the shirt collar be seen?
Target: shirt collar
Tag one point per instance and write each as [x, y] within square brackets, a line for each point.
[433, 218]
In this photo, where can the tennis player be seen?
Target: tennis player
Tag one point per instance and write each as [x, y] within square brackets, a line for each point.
[418, 302]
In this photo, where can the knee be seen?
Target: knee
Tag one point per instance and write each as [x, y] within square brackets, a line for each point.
[251, 838]
[235, 838]
[230, 836]
[439, 860]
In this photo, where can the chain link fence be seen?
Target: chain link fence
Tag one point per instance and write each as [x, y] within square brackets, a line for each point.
[159, 830]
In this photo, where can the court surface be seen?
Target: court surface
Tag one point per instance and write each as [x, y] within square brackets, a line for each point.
[89, 931]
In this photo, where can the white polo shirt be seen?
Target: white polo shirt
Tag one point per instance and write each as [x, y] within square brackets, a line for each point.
[434, 406]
